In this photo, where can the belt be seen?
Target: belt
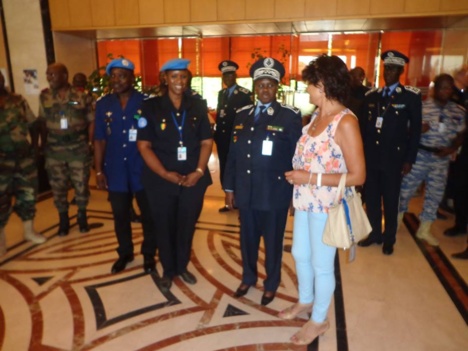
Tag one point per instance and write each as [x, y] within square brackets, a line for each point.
[430, 149]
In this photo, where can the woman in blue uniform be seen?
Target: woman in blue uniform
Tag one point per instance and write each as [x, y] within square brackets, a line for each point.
[175, 142]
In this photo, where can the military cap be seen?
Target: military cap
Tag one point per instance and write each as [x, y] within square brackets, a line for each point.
[267, 68]
[393, 57]
[175, 64]
[120, 63]
[228, 66]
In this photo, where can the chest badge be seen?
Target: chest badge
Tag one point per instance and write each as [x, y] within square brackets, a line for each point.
[163, 124]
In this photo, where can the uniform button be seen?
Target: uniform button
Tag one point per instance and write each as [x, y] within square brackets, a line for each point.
[124, 145]
[125, 159]
[252, 128]
[248, 171]
[248, 142]
[248, 155]
[377, 142]
[124, 131]
[378, 131]
[124, 117]
[279, 177]
[224, 131]
[398, 148]
[396, 112]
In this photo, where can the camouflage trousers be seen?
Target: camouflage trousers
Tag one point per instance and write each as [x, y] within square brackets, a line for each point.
[432, 170]
[18, 178]
[62, 174]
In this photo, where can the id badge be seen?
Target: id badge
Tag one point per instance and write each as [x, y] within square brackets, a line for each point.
[267, 147]
[132, 134]
[442, 127]
[379, 122]
[63, 123]
[181, 153]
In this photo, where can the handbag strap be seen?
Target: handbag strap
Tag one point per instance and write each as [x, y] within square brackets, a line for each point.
[341, 188]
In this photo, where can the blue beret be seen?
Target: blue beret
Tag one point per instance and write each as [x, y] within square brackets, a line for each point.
[393, 57]
[228, 66]
[175, 64]
[120, 63]
[267, 68]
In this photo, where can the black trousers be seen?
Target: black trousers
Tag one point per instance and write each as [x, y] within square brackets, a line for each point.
[383, 187]
[461, 189]
[222, 145]
[270, 225]
[176, 216]
[121, 203]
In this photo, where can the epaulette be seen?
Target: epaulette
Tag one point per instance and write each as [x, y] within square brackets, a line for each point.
[99, 98]
[412, 89]
[371, 91]
[245, 91]
[292, 108]
[152, 96]
[246, 107]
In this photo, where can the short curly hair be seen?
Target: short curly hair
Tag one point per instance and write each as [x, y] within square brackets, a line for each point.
[334, 75]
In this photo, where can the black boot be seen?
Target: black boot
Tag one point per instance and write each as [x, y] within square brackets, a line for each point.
[83, 221]
[64, 226]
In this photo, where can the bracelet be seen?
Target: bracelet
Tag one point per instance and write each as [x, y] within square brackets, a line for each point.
[199, 170]
[319, 179]
[310, 177]
[98, 173]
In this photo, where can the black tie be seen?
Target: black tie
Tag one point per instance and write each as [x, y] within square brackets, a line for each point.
[260, 111]
[386, 92]
[225, 97]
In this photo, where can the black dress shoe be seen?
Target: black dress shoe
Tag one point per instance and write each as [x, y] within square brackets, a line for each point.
[188, 277]
[224, 209]
[368, 242]
[387, 249]
[242, 290]
[121, 263]
[461, 255]
[454, 231]
[267, 297]
[149, 264]
[165, 283]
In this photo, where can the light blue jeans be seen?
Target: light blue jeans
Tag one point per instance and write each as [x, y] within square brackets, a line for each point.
[315, 267]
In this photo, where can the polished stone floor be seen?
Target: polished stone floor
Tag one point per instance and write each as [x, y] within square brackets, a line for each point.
[61, 296]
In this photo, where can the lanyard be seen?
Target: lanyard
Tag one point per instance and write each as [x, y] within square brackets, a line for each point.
[179, 127]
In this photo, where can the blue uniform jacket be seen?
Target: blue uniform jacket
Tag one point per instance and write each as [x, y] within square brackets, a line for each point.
[396, 142]
[122, 161]
[258, 180]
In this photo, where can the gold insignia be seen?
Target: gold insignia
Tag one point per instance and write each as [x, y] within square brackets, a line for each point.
[270, 111]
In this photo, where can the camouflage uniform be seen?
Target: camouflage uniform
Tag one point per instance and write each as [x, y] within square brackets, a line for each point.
[67, 151]
[18, 172]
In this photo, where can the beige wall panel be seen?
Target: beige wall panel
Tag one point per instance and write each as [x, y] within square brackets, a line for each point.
[259, 9]
[77, 53]
[379, 7]
[421, 6]
[176, 11]
[80, 13]
[3, 55]
[231, 10]
[203, 10]
[320, 8]
[290, 8]
[151, 11]
[59, 14]
[103, 13]
[126, 12]
[351, 8]
[453, 5]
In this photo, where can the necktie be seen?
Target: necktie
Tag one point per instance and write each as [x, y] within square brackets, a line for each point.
[386, 92]
[260, 111]
[225, 97]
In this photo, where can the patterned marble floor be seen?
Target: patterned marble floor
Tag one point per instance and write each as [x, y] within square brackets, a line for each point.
[61, 296]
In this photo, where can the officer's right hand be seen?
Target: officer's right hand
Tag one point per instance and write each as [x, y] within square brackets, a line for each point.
[101, 180]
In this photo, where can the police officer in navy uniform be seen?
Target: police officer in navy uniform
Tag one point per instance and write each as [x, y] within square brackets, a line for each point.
[230, 100]
[262, 146]
[119, 164]
[391, 132]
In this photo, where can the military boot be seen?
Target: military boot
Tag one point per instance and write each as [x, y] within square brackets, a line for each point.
[64, 226]
[30, 234]
[424, 233]
[82, 220]
[3, 248]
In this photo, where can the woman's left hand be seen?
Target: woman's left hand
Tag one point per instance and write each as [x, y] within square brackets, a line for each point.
[191, 179]
[297, 177]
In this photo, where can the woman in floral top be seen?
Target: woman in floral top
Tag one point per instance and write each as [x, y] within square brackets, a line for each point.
[330, 145]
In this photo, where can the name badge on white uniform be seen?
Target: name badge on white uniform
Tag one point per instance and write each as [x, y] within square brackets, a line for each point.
[267, 147]
[442, 127]
[379, 122]
[181, 153]
[132, 134]
[63, 123]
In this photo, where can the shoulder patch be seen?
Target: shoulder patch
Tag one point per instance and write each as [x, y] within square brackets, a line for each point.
[292, 108]
[243, 90]
[246, 107]
[371, 91]
[412, 89]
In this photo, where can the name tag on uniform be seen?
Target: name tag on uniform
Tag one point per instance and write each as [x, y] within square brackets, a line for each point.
[379, 122]
[181, 153]
[63, 123]
[132, 134]
[267, 147]
[442, 127]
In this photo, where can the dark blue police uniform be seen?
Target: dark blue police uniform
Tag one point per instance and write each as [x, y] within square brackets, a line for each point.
[176, 207]
[260, 189]
[123, 166]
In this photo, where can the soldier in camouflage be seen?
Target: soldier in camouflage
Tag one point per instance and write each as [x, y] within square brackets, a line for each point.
[18, 172]
[66, 117]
